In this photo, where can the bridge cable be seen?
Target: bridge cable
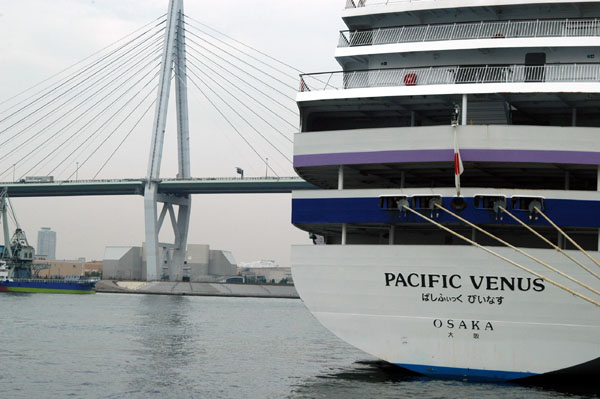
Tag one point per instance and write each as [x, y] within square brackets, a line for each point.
[124, 139]
[61, 147]
[556, 247]
[245, 45]
[82, 102]
[245, 105]
[188, 39]
[110, 119]
[241, 60]
[231, 124]
[242, 118]
[67, 91]
[153, 90]
[294, 77]
[240, 89]
[82, 71]
[100, 74]
[251, 48]
[561, 286]
[88, 123]
[201, 100]
[75, 64]
[120, 85]
[285, 107]
[519, 250]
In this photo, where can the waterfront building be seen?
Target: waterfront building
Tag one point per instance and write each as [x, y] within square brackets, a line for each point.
[63, 268]
[46, 243]
[202, 264]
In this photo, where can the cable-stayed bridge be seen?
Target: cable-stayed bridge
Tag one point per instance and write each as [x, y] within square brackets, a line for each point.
[82, 120]
[257, 185]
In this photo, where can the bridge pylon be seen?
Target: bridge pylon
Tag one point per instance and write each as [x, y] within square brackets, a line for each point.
[162, 257]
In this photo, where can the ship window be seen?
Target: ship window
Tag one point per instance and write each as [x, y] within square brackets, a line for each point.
[489, 201]
[527, 203]
[392, 202]
[425, 201]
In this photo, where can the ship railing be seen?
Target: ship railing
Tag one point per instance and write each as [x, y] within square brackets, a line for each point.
[471, 30]
[50, 280]
[454, 74]
[368, 3]
[228, 179]
[41, 280]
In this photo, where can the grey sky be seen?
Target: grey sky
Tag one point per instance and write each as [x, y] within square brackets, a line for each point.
[41, 37]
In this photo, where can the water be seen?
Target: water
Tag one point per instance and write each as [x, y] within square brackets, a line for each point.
[143, 346]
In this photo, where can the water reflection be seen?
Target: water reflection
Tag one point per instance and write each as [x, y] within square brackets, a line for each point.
[172, 347]
[383, 380]
[165, 348]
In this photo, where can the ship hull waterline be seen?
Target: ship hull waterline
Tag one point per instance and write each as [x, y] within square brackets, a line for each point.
[47, 287]
[452, 311]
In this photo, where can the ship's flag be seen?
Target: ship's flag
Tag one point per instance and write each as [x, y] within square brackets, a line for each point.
[458, 165]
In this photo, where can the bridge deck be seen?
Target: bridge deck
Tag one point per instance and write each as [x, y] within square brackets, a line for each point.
[167, 186]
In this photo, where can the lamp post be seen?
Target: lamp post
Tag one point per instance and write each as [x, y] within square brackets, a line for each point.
[77, 172]
[14, 166]
[240, 172]
[266, 166]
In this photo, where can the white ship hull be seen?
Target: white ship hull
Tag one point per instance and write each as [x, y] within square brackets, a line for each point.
[452, 310]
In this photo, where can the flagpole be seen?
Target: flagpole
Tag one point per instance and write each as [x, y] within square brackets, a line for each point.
[458, 169]
[458, 165]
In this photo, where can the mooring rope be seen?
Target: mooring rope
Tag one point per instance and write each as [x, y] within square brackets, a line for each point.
[503, 257]
[567, 236]
[519, 250]
[587, 269]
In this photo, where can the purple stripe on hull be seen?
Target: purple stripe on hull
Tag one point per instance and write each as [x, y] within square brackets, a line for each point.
[538, 156]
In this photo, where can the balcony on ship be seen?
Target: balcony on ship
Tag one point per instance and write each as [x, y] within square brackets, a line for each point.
[452, 75]
[364, 14]
[583, 27]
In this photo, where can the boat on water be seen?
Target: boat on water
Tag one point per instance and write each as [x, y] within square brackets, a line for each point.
[18, 272]
[457, 154]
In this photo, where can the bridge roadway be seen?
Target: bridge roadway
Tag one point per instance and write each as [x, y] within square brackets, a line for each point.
[166, 186]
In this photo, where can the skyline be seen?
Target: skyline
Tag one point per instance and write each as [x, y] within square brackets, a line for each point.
[252, 227]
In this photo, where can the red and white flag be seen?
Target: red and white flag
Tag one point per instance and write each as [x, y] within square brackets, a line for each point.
[458, 165]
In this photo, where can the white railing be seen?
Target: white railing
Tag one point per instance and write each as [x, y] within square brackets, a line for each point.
[368, 3]
[450, 75]
[471, 30]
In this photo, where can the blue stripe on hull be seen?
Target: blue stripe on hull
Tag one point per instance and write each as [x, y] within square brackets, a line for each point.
[463, 373]
[367, 210]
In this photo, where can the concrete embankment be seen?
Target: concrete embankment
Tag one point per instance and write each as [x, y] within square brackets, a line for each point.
[198, 289]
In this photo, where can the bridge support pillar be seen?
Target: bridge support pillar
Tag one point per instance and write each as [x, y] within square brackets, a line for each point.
[163, 258]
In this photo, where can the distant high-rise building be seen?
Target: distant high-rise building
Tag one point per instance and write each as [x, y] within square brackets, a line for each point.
[46, 243]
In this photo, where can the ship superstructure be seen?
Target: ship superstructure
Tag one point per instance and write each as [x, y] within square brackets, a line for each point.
[455, 147]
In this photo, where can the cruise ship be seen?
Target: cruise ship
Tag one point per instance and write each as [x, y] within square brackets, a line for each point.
[457, 155]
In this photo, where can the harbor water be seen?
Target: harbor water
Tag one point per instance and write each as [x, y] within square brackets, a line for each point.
[149, 346]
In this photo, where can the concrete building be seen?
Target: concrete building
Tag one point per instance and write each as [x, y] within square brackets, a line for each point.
[63, 268]
[122, 263]
[202, 265]
[46, 243]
